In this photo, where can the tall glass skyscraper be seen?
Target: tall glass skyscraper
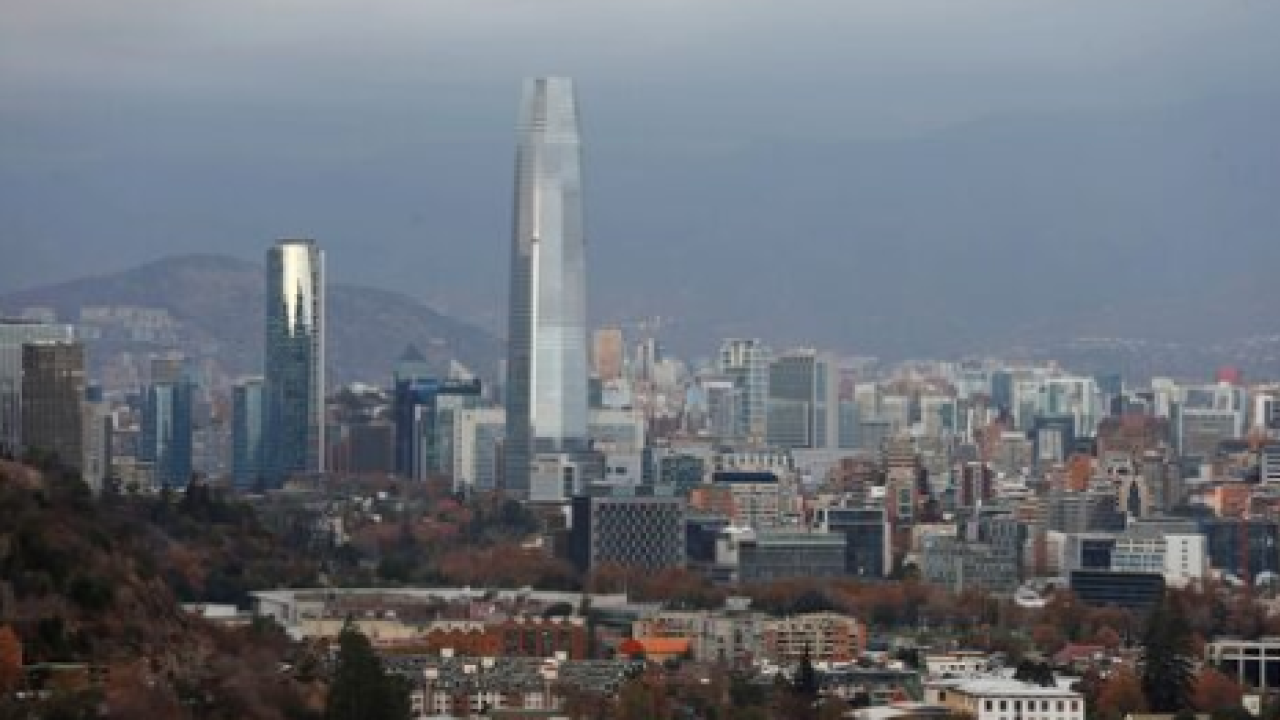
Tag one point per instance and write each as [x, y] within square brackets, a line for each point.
[546, 392]
[295, 355]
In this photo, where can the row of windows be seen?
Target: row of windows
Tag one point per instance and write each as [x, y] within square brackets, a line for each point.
[1031, 705]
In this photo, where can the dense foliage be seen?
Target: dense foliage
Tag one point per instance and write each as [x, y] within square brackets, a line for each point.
[99, 581]
[361, 688]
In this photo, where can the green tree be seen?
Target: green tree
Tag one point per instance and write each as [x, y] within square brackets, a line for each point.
[361, 688]
[1167, 674]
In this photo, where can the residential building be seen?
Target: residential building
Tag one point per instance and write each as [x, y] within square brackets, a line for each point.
[823, 637]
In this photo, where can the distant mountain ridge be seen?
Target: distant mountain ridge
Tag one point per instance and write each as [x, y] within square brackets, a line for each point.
[217, 303]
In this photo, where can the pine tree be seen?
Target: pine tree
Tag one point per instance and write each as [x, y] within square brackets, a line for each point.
[1167, 675]
[361, 688]
[800, 698]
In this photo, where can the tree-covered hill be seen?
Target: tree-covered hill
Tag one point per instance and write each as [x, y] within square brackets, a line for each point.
[99, 581]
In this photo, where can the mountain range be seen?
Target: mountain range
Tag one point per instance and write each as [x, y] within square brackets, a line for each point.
[217, 304]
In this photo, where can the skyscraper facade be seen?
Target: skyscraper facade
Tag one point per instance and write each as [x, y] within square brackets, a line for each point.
[53, 392]
[746, 363]
[294, 350]
[546, 391]
[803, 402]
[167, 431]
[247, 414]
[13, 335]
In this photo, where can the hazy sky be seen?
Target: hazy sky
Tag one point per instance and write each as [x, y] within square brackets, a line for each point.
[133, 129]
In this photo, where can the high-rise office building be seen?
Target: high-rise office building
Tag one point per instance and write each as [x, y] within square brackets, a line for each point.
[99, 429]
[14, 334]
[167, 431]
[803, 401]
[294, 381]
[609, 349]
[53, 392]
[247, 416]
[546, 391]
[746, 363]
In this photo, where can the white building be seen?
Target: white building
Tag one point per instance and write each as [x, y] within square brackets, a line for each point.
[1180, 557]
[476, 433]
[1000, 699]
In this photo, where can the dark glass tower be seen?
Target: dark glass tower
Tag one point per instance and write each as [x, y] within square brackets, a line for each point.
[247, 414]
[167, 431]
[53, 390]
[295, 354]
[546, 392]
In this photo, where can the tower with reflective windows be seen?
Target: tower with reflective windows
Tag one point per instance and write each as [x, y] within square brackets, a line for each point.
[294, 380]
[546, 391]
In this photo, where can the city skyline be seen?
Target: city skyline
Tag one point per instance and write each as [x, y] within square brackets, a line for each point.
[990, 173]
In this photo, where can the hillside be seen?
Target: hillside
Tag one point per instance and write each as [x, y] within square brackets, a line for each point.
[217, 303]
[99, 581]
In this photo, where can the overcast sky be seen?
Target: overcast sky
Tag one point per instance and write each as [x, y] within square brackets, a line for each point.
[133, 129]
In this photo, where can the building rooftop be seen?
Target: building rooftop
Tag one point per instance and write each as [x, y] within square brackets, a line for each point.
[1004, 687]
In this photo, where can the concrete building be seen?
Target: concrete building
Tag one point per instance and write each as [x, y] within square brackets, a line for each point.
[823, 637]
[868, 550]
[14, 333]
[1001, 699]
[731, 636]
[745, 362]
[53, 393]
[960, 565]
[1252, 663]
[646, 532]
[755, 499]
[477, 448]
[608, 351]
[775, 555]
[803, 401]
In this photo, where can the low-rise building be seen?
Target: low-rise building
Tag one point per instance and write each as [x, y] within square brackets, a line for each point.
[1252, 663]
[765, 557]
[824, 637]
[1001, 699]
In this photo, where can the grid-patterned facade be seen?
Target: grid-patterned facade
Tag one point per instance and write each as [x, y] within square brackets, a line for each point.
[53, 390]
[645, 532]
[13, 335]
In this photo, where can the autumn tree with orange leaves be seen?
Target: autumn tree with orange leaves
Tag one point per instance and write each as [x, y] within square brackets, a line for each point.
[1214, 691]
[10, 660]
